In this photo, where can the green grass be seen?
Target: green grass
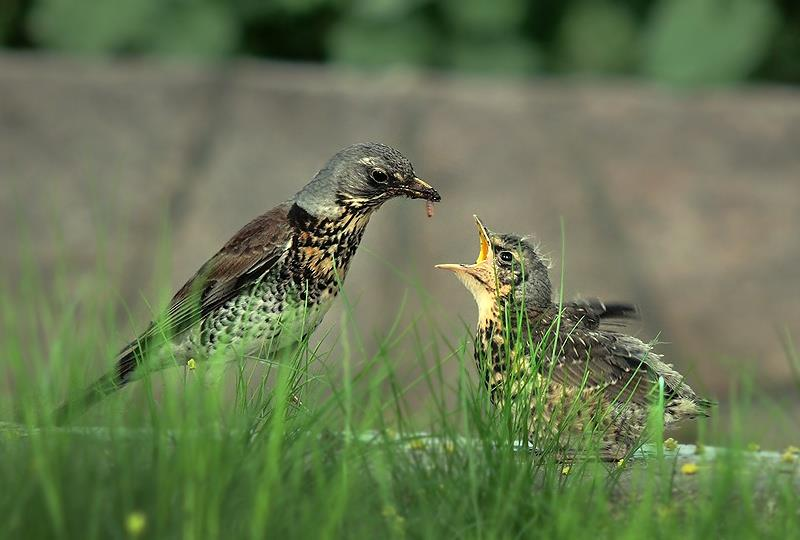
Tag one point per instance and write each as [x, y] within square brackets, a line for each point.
[322, 444]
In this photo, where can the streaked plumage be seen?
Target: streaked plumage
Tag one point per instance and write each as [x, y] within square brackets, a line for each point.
[273, 281]
[575, 374]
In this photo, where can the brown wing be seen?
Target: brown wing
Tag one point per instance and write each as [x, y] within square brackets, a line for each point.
[592, 312]
[240, 264]
[622, 367]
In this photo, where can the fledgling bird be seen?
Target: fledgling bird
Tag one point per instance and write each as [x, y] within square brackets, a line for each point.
[271, 284]
[576, 375]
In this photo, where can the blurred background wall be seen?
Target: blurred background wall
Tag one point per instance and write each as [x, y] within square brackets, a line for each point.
[138, 127]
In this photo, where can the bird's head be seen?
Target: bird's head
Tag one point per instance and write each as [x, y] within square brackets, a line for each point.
[364, 176]
[509, 268]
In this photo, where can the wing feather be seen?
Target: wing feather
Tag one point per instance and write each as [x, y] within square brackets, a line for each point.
[239, 264]
[592, 312]
[622, 367]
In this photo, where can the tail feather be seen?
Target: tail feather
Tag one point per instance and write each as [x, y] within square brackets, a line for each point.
[704, 407]
[689, 407]
[101, 388]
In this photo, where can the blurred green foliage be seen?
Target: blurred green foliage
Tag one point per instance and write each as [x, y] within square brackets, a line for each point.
[676, 41]
[709, 40]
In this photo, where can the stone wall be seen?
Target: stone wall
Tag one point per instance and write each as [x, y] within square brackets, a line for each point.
[687, 203]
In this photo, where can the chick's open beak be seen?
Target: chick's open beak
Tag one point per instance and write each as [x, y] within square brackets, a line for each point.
[417, 188]
[485, 254]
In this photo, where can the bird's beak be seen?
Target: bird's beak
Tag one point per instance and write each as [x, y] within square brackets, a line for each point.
[456, 268]
[485, 254]
[417, 188]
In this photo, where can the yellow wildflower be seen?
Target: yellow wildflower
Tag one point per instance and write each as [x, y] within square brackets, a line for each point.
[671, 444]
[620, 463]
[792, 450]
[565, 470]
[191, 364]
[417, 444]
[135, 524]
[689, 468]
[788, 457]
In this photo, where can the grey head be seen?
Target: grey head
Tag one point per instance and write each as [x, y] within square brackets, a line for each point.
[509, 268]
[362, 177]
[520, 265]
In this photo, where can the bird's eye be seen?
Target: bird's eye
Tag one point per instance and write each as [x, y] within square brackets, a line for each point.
[379, 176]
[506, 256]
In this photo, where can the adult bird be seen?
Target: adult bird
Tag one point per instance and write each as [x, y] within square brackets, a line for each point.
[573, 379]
[271, 284]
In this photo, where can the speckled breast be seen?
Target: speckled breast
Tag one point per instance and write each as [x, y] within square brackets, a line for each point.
[293, 297]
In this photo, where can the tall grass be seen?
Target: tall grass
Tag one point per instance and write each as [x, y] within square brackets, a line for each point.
[292, 448]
